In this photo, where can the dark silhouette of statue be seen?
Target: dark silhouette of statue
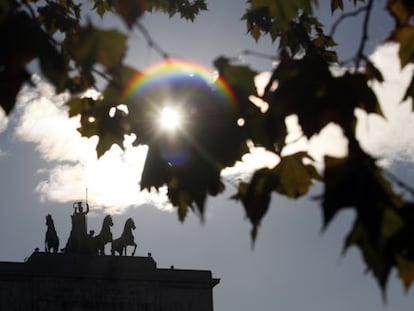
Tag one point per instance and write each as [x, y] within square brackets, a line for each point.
[51, 239]
[104, 237]
[120, 245]
[78, 241]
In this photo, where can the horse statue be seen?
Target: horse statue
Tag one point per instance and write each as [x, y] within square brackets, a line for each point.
[51, 239]
[120, 245]
[104, 237]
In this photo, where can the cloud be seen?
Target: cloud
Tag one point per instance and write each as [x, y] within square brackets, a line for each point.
[390, 138]
[112, 182]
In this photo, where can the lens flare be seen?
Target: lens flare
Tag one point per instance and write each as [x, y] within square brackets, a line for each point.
[169, 119]
[175, 104]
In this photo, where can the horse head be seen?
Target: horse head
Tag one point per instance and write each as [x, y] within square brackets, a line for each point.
[108, 220]
[130, 224]
[49, 220]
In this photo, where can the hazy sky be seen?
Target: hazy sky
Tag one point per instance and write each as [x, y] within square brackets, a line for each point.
[46, 165]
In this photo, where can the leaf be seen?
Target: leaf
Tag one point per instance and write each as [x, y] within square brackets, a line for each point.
[80, 105]
[374, 254]
[336, 4]
[255, 197]
[239, 77]
[106, 47]
[187, 9]
[373, 72]
[292, 177]
[130, 10]
[405, 37]
[282, 11]
[53, 65]
[102, 6]
[410, 90]
[401, 10]
[5, 7]
[357, 182]
[405, 270]
[10, 83]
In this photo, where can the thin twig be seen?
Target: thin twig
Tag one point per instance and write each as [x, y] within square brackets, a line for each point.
[101, 74]
[259, 54]
[344, 16]
[151, 43]
[399, 182]
[364, 38]
[27, 5]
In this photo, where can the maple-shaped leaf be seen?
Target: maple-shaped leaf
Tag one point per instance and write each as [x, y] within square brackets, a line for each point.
[283, 11]
[95, 46]
[187, 9]
[401, 10]
[405, 270]
[410, 90]
[239, 77]
[10, 83]
[356, 181]
[375, 253]
[156, 172]
[130, 10]
[102, 6]
[352, 90]
[255, 197]
[336, 4]
[303, 89]
[184, 193]
[373, 72]
[292, 177]
[79, 105]
[405, 37]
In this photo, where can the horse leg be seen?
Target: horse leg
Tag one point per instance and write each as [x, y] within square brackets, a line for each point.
[135, 247]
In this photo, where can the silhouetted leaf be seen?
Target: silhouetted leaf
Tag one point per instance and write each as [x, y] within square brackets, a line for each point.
[405, 270]
[79, 105]
[410, 90]
[187, 9]
[129, 10]
[10, 84]
[336, 4]
[374, 254]
[102, 6]
[292, 177]
[401, 10]
[238, 76]
[405, 37]
[373, 72]
[92, 46]
[255, 197]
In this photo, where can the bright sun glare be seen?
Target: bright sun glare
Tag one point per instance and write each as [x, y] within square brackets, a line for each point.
[170, 119]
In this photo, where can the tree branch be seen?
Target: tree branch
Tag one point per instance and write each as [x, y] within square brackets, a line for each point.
[151, 43]
[259, 55]
[360, 54]
[399, 182]
[345, 16]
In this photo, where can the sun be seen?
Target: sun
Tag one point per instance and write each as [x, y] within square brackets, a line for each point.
[170, 119]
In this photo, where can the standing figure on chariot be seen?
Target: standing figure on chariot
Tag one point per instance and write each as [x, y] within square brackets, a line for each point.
[78, 241]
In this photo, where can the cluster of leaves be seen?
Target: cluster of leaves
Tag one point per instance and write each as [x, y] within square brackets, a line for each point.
[306, 88]
[73, 55]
